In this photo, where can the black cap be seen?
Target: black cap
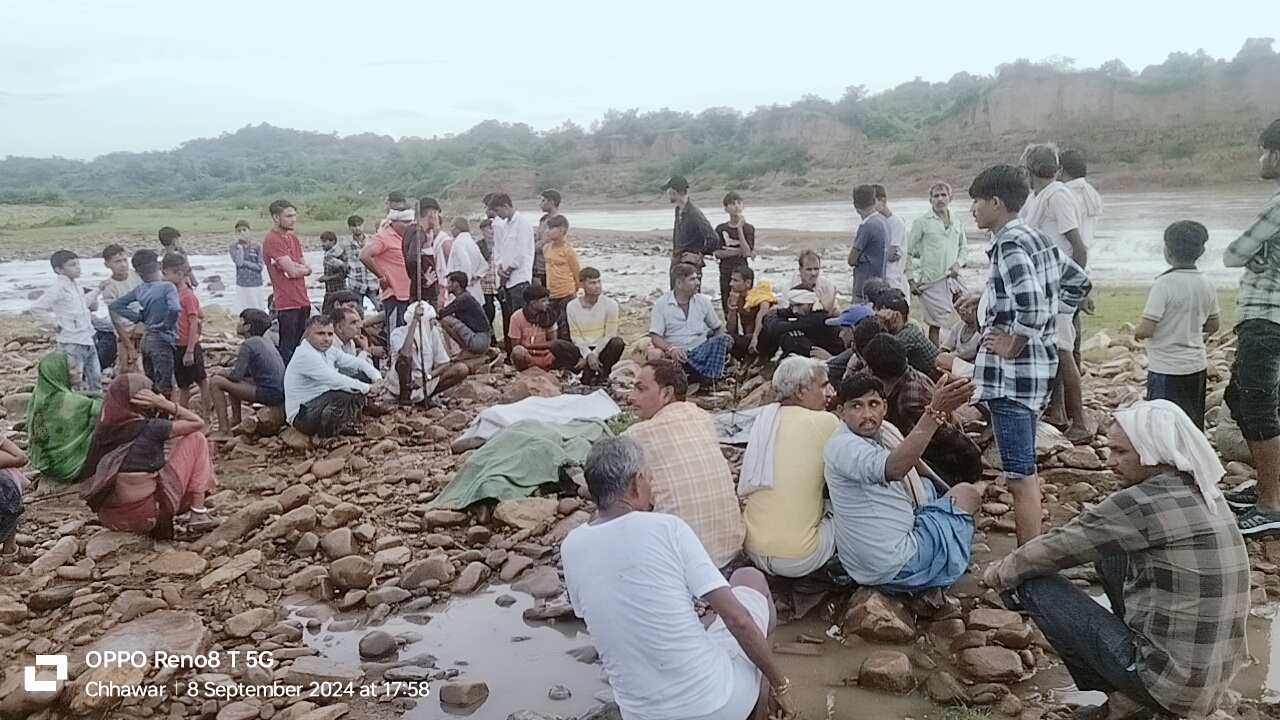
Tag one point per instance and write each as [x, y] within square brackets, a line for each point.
[677, 183]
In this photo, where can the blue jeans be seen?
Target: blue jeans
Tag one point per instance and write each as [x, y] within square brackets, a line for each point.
[1254, 391]
[1094, 643]
[1014, 427]
[86, 356]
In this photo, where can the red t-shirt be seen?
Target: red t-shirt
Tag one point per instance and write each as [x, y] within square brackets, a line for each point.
[190, 308]
[388, 260]
[291, 293]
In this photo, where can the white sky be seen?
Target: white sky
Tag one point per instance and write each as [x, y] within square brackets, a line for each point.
[79, 78]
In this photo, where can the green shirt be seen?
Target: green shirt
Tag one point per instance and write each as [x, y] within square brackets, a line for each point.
[933, 248]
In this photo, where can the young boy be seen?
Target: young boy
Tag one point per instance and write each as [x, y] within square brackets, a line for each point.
[1181, 309]
[158, 310]
[335, 264]
[749, 305]
[67, 308]
[171, 241]
[188, 356]
[737, 246]
[258, 375]
[247, 256]
[562, 271]
[121, 352]
[463, 319]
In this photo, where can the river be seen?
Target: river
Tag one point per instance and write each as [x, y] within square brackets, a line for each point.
[1126, 252]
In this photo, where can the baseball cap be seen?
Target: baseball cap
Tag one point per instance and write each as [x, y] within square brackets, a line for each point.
[677, 183]
[851, 316]
[892, 299]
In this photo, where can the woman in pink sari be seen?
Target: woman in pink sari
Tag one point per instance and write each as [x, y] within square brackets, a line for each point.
[148, 462]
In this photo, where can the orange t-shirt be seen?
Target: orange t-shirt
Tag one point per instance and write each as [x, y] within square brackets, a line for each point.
[388, 260]
[523, 332]
[562, 270]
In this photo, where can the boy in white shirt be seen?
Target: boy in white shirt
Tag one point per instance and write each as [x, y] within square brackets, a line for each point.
[67, 307]
[1181, 309]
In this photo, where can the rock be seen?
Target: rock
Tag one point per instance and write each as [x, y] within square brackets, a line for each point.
[294, 496]
[234, 568]
[991, 664]
[173, 631]
[559, 692]
[762, 395]
[462, 694]
[944, 689]
[1078, 492]
[1016, 637]
[455, 420]
[238, 710]
[241, 523]
[16, 403]
[57, 556]
[249, 622]
[328, 712]
[183, 563]
[562, 529]
[343, 514]
[301, 519]
[875, 616]
[338, 544]
[12, 612]
[327, 468]
[992, 618]
[1081, 456]
[540, 582]
[351, 573]
[534, 382]
[472, 575]
[444, 518]
[514, 565]
[504, 601]
[377, 644]
[136, 603]
[474, 389]
[18, 702]
[312, 668]
[887, 671]
[269, 420]
[108, 542]
[586, 654]
[393, 556]
[50, 599]
[436, 568]
[295, 439]
[527, 513]
[608, 711]
[306, 545]
[387, 595]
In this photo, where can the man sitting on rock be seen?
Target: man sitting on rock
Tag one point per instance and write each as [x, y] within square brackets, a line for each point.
[348, 330]
[633, 575]
[691, 478]
[423, 367]
[1173, 565]
[892, 532]
[319, 400]
[686, 329]
[594, 346]
[463, 318]
[893, 312]
[845, 323]
[951, 454]
[533, 328]
[800, 326]
[258, 375]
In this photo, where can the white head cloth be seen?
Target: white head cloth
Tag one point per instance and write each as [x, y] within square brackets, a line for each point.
[1163, 435]
[800, 296]
[402, 215]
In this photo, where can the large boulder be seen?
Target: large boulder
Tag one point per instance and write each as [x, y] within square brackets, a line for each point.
[992, 664]
[527, 513]
[888, 671]
[872, 615]
[534, 382]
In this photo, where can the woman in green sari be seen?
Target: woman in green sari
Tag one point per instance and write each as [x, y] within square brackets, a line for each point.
[59, 420]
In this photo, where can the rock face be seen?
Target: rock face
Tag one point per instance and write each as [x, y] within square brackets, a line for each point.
[992, 664]
[173, 631]
[875, 616]
[887, 671]
[463, 694]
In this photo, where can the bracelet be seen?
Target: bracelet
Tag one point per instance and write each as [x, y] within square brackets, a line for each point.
[938, 416]
[782, 689]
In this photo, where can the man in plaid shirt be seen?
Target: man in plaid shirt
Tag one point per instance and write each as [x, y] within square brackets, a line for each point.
[1254, 391]
[1029, 284]
[359, 280]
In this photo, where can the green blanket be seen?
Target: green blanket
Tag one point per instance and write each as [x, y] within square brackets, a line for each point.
[513, 463]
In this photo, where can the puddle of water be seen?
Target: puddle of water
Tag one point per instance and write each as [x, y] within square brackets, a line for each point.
[520, 661]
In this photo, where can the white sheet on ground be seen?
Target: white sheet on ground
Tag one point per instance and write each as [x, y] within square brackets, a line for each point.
[560, 409]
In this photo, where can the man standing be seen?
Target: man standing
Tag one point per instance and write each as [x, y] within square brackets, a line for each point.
[384, 257]
[420, 245]
[319, 400]
[693, 235]
[691, 478]
[359, 280]
[937, 247]
[550, 205]
[735, 246]
[246, 255]
[1073, 174]
[686, 329]
[1254, 391]
[282, 252]
[896, 257]
[643, 617]
[871, 246]
[513, 254]
[1018, 360]
[1052, 209]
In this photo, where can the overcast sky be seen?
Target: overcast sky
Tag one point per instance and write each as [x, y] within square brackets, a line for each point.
[80, 78]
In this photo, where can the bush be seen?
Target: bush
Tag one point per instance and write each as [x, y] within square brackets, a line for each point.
[330, 207]
[32, 196]
[902, 157]
[78, 216]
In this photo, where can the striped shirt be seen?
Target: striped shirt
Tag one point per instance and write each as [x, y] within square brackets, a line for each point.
[1028, 281]
[1259, 297]
[691, 478]
[1186, 586]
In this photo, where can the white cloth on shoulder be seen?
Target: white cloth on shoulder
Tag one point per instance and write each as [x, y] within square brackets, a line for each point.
[757, 461]
[1163, 435]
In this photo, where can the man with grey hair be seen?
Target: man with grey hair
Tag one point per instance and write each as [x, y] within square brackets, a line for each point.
[789, 528]
[632, 575]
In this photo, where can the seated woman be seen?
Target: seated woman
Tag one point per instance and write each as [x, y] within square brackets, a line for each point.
[789, 527]
[59, 419]
[12, 484]
[257, 377]
[131, 479]
[1172, 563]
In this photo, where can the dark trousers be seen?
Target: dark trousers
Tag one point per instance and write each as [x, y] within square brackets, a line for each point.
[293, 326]
[393, 311]
[1185, 391]
[105, 343]
[329, 414]
[798, 336]
[1094, 643]
[511, 299]
[568, 355]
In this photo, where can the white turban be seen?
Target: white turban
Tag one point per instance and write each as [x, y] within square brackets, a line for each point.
[800, 296]
[1163, 435]
[402, 215]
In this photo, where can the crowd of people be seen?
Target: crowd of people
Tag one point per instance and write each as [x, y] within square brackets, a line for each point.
[858, 473]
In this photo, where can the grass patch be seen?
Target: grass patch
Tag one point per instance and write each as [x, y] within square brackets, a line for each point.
[1117, 306]
[964, 712]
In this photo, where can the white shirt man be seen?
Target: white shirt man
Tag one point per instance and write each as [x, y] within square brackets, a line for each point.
[312, 373]
[429, 344]
[466, 257]
[514, 252]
